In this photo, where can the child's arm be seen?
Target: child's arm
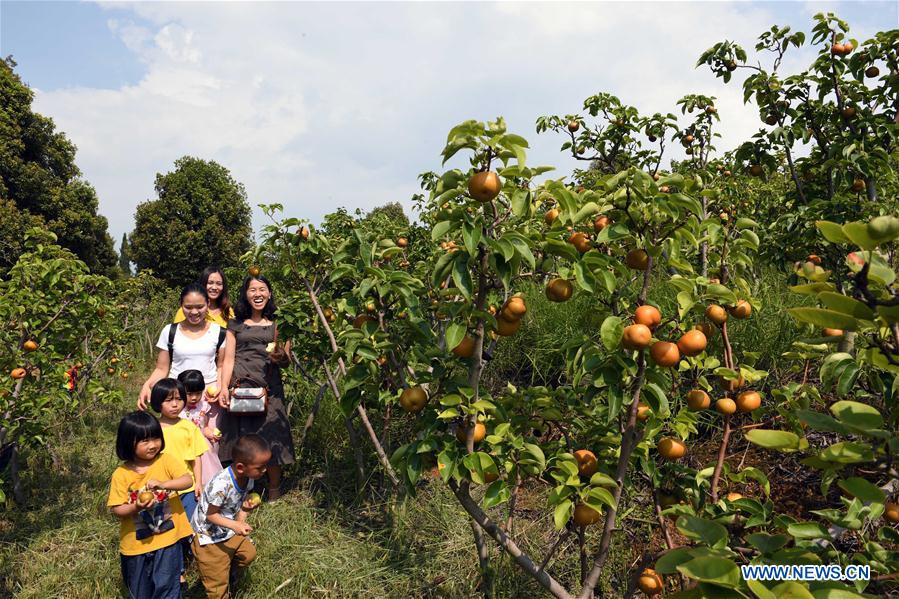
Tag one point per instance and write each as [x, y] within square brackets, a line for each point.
[198, 478]
[126, 510]
[239, 525]
[176, 484]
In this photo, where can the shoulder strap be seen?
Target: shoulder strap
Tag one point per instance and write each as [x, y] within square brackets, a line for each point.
[222, 333]
[173, 328]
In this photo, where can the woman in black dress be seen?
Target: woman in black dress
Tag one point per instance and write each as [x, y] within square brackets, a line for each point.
[251, 355]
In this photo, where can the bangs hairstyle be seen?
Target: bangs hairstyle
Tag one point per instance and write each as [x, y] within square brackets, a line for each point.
[243, 310]
[223, 303]
[248, 447]
[192, 380]
[194, 288]
[134, 428]
[161, 391]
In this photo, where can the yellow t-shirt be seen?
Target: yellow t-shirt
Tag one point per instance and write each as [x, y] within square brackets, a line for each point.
[216, 318]
[164, 468]
[186, 442]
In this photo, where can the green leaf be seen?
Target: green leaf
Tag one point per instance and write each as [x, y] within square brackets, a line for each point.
[846, 305]
[858, 234]
[716, 570]
[857, 414]
[824, 318]
[610, 332]
[497, 493]
[862, 489]
[588, 209]
[832, 232]
[808, 530]
[657, 400]
[668, 563]
[562, 514]
[767, 543]
[847, 453]
[471, 236]
[773, 439]
[455, 332]
[461, 276]
[440, 229]
[700, 529]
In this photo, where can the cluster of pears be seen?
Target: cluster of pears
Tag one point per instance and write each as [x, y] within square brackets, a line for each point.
[587, 466]
[666, 354]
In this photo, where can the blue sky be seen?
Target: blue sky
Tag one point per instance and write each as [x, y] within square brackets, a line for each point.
[317, 105]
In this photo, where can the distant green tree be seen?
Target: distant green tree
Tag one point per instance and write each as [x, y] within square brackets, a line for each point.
[201, 217]
[391, 214]
[125, 256]
[40, 184]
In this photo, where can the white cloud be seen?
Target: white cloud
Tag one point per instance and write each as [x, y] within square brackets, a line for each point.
[319, 105]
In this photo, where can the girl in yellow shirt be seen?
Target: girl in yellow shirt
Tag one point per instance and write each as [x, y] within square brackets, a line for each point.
[151, 516]
[220, 311]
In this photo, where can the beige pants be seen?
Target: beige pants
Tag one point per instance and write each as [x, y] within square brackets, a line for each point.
[215, 562]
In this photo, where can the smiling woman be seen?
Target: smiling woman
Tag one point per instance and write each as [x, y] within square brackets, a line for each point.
[253, 358]
[219, 310]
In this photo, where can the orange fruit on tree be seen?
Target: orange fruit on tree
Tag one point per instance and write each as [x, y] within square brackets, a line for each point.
[254, 271]
[413, 399]
[480, 431]
[664, 353]
[643, 412]
[858, 185]
[584, 515]
[514, 309]
[573, 126]
[580, 241]
[832, 332]
[648, 315]
[725, 405]
[17, 373]
[601, 222]
[559, 290]
[814, 259]
[402, 242]
[692, 343]
[550, 216]
[756, 170]
[506, 328]
[697, 399]
[705, 328]
[586, 462]
[671, 448]
[465, 349]
[30, 345]
[716, 314]
[733, 496]
[484, 186]
[741, 310]
[637, 259]
[636, 336]
[732, 384]
[748, 401]
[891, 511]
[650, 582]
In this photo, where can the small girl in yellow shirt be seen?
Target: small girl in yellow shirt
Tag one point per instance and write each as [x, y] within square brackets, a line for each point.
[152, 519]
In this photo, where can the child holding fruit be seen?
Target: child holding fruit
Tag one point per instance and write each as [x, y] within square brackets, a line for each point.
[205, 415]
[183, 440]
[143, 495]
[222, 538]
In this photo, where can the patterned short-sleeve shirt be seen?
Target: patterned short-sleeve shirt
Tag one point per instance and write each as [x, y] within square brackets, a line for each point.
[223, 492]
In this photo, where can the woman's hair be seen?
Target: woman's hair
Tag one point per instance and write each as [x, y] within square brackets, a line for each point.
[192, 380]
[194, 288]
[243, 310]
[134, 428]
[161, 391]
[223, 303]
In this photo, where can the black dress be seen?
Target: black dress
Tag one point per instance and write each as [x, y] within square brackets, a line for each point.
[251, 361]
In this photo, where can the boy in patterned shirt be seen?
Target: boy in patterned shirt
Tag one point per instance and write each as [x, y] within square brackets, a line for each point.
[220, 521]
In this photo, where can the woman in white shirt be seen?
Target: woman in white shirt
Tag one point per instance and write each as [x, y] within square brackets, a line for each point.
[197, 345]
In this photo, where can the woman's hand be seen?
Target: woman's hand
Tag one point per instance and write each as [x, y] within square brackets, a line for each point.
[143, 399]
[224, 398]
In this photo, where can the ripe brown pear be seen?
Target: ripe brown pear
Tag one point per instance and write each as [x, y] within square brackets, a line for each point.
[584, 515]
[636, 336]
[480, 431]
[573, 126]
[891, 511]
[748, 401]
[30, 345]
[643, 412]
[832, 332]
[872, 72]
[741, 310]
[725, 405]
[733, 496]
[507, 328]
[586, 462]
[550, 216]
[484, 186]
[413, 399]
[601, 222]
[402, 242]
[732, 384]
[580, 241]
[671, 448]
[650, 582]
[697, 399]
[664, 353]
[17, 373]
[692, 343]
[716, 314]
[465, 349]
[559, 290]
[637, 260]
[858, 185]
[648, 315]
[514, 309]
